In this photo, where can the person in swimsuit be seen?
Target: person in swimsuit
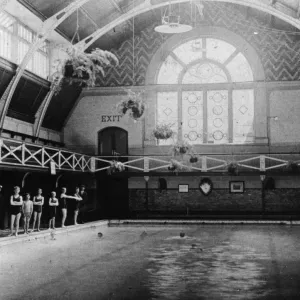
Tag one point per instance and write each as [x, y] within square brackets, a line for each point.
[16, 203]
[53, 203]
[63, 204]
[76, 204]
[27, 211]
[38, 202]
[82, 205]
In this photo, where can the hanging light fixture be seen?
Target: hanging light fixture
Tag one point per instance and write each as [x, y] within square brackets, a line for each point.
[171, 23]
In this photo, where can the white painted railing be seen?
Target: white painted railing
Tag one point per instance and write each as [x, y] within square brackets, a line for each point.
[205, 163]
[18, 153]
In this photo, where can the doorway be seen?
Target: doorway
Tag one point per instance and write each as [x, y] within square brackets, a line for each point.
[112, 191]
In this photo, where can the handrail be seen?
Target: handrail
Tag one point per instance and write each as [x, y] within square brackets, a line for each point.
[20, 153]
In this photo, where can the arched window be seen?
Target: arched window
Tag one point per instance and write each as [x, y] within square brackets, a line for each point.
[210, 94]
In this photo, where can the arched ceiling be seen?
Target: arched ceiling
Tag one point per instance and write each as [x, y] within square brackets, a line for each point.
[110, 24]
[113, 23]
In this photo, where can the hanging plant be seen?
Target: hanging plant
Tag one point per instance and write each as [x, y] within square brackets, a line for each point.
[175, 165]
[163, 131]
[292, 167]
[193, 159]
[115, 166]
[83, 67]
[134, 104]
[232, 168]
[181, 148]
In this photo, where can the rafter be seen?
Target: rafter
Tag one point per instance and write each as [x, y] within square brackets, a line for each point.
[268, 6]
[262, 5]
[3, 4]
[48, 26]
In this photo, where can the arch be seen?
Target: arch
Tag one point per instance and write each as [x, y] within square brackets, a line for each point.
[206, 32]
[117, 141]
[262, 5]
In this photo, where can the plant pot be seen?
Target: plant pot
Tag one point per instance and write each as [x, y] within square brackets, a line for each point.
[193, 159]
[182, 150]
[158, 136]
[162, 136]
[136, 112]
[69, 73]
[172, 168]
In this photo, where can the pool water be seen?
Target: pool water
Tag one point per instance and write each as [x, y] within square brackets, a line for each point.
[155, 262]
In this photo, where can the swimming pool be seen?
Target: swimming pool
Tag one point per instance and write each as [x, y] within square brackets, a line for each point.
[154, 262]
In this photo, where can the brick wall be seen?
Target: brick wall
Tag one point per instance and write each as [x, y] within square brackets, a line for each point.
[286, 197]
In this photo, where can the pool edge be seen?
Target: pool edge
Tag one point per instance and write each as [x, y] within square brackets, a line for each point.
[38, 235]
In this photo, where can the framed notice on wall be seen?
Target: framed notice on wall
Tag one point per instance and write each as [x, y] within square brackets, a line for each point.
[183, 188]
[236, 186]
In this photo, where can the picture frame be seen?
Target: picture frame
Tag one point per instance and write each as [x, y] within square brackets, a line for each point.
[183, 188]
[236, 187]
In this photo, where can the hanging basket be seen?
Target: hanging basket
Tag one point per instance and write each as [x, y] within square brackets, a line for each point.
[193, 159]
[69, 72]
[232, 168]
[83, 67]
[115, 166]
[181, 148]
[134, 105]
[163, 132]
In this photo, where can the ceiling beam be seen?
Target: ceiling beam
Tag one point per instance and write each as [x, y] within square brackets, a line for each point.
[262, 5]
[120, 10]
[3, 4]
[47, 28]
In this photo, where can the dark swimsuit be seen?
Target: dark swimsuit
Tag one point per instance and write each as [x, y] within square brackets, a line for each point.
[37, 208]
[77, 203]
[16, 209]
[52, 209]
[63, 202]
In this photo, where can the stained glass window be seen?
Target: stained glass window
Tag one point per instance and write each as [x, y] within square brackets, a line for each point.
[243, 116]
[239, 69]
[218, 50]
[167, 112]
[169, 72]
[189, 51]
[207, 113]
[204, 73]
[217, 117]
[192, 117]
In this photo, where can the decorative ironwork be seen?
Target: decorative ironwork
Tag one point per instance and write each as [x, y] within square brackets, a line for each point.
[48, 26]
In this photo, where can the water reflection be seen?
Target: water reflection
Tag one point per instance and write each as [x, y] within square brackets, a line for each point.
[182, 268]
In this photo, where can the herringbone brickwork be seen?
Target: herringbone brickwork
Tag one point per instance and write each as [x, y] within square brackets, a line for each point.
[278, 51]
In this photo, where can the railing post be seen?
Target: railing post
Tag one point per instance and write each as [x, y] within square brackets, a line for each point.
[59, 159]
[82, 162]
[204, 163]
[262, 161]
[73, 162]
[1, 143]
[146, 164]
[43, 157]
[23, 154]
[93, 164]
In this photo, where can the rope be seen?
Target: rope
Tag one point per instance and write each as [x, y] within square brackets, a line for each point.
[133, 53]
[76, 34]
